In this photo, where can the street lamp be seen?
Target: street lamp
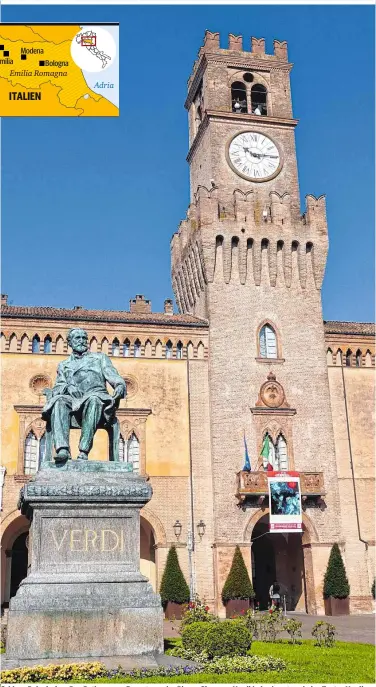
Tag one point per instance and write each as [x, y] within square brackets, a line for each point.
[177, 529]
[201, 527]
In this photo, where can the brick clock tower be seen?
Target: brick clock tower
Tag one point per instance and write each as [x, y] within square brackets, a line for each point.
[252, 264]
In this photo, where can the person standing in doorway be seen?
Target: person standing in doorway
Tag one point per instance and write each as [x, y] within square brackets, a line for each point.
[275, 597]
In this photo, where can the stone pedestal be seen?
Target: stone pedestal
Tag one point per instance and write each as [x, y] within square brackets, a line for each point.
[85, 595]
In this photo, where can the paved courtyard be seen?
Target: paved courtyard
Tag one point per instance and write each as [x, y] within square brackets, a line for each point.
[350, 628]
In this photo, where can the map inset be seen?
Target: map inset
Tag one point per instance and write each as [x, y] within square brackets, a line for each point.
[59, 70]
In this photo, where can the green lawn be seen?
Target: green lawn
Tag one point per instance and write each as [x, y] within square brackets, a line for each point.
[345, 662]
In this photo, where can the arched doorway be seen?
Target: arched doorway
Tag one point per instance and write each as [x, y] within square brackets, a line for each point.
[278, 557]
[147, 552]
[14, 557]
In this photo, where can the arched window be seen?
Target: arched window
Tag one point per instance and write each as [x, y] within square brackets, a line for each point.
[339, 357]
[158, 349]
[168, 349]
[348, 358]
[268, 451]
[368, 359]
[47, 345]
[115, 347]
[137, 348]
[148, 348]
[329, 356]
[31, 454]
[358, 358]
[35, 345]
[13, 343]
[275, 454]
[133, 452]
[238, 97]
[25, 344]
[190, 350]
[126, 347]
[258, 99]
[104, 346]
[201, 351]
[268, 342]
[42, 449]
[60, 345]
[281, 453]
[121, 449]
[179, 350]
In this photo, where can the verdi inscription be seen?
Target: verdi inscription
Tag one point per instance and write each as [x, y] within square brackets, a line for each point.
[87, 540]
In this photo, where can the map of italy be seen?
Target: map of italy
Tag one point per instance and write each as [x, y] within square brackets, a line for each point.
[61, 70]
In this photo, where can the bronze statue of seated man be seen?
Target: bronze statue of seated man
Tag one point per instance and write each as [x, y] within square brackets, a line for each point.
[80, 392]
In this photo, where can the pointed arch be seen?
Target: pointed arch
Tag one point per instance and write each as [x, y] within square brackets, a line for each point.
[3, 343]
[349, 357]
[47, 344]
[60, 345]
[190, 350]
[267, 342]
[158, 349]
[358, 358]
[168, 349]
[25, 344]
[329, 356]
[126, 348]
[115, 347]
[368, 359]
[179, 350]
[148, 348]
[282, 462]
[104, 346]
[31, 457]
[339, 357]
[35, 344]
[137, 348]
[200, 350]
[13, 343]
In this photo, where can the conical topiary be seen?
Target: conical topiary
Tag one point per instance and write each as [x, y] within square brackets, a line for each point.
[335, 581]
[238, 585]
[173, 585]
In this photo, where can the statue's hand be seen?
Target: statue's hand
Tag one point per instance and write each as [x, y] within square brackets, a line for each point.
[73, 391]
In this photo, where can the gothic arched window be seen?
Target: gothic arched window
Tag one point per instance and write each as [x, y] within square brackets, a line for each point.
[126, 347]
[31, 454]
[179, 350]
[168, 349]
[121, 449]
[238, 97]
[35, 345]
[47, 345]
[133, 452]
[348, 358]
[137, 348]
[268, 342]
[115, 347]
[258, 99]
[281, 453]
[358, 358]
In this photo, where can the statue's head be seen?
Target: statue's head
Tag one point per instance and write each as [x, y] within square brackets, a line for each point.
[77, 340]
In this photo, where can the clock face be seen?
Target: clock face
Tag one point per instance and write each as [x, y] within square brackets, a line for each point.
[254, 156]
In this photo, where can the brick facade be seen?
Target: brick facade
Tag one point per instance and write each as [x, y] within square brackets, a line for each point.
[244, 256]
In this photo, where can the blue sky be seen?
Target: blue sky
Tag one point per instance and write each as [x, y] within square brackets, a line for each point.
[90, 205]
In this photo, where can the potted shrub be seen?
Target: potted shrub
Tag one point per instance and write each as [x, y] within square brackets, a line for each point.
[336, 585]
[237, 593]
[174, 589]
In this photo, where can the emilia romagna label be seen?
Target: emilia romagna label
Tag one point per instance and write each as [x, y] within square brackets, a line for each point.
[59, 70]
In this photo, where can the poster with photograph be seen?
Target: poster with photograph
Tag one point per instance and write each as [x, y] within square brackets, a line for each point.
[285, 502]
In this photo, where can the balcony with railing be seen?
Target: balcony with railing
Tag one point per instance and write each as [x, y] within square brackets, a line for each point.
[253, 486]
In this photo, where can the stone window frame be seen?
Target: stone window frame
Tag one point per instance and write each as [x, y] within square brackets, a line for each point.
[130, 420]
[274, 422]
[258, 79]
[259, 358]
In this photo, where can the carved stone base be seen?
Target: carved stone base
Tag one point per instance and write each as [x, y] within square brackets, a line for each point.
[84, 595]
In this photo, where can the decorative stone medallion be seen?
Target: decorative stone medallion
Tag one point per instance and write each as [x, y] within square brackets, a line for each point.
[132, 386]
[40, 382]
[272, 393]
